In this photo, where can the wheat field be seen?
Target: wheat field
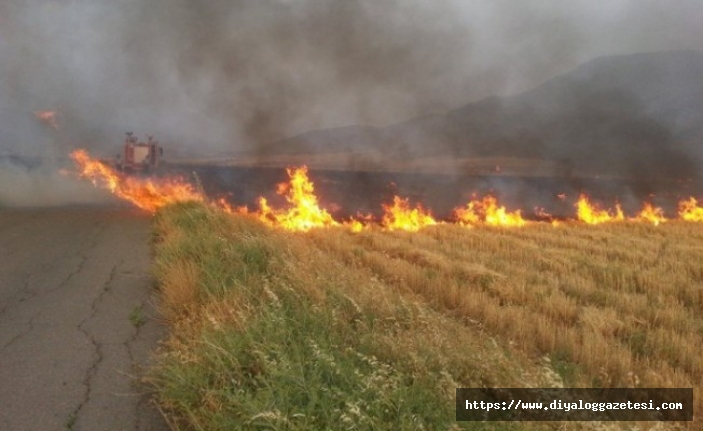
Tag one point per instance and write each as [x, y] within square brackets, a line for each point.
[332, 329]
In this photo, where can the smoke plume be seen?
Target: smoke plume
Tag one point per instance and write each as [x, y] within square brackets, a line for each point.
[234, 75]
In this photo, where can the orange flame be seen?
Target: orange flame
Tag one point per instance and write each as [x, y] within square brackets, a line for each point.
[589, 213]
[304, 213]
[49, 117]
[355, 225]
[540, 212]
[229, 209]
[652, 214]
[690, 211]
[400, 216]
[488, 210]
[147, 194]
[359, 223]
[468, 216]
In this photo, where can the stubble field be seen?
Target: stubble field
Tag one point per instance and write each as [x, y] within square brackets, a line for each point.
[332, 329]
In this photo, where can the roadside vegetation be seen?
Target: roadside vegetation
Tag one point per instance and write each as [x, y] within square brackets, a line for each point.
[332, 329]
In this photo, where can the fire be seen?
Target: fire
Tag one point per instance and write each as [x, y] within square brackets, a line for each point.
[489, 212]
[229, 209]
[305, 212]
[400, 216]
[145, 193]
[544, 215]
[355, 225]
[360, 222]
[498, 216]
[469, 215]
[49, 117]
[589, 213]
[652, 214]
[690, 211]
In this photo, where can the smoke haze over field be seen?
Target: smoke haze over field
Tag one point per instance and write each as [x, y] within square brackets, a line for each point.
[21, 187]
[230, 75]
[224, 76]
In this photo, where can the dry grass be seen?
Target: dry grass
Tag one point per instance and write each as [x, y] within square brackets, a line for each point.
[581, 306]
[182, 292]
[615, 305]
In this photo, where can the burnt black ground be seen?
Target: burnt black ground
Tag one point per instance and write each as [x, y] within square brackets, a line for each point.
[347, 192]
[69, 352]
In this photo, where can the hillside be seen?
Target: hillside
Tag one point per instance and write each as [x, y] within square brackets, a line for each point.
[632, 116]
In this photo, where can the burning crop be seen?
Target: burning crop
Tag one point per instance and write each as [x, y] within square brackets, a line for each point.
[689, 210]
[304, 211]
[149, 194]
[652, 214]
[360, 222]
[400, 216]
[489, 212]
[590, 213]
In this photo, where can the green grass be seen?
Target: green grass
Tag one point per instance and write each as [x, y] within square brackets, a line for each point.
[136, 317]
[71, 421]
[265, 343]
[335, 330]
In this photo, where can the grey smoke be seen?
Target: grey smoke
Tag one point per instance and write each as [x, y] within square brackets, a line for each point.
[46, 186]
[223, 75]
[234, 74]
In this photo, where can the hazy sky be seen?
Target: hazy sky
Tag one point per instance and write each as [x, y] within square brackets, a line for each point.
[229, 74]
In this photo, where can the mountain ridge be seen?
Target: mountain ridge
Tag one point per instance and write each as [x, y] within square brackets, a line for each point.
[637, 114]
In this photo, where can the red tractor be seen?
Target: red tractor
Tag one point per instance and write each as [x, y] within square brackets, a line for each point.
[139, 157]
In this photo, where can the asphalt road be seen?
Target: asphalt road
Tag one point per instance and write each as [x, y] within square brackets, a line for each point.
[77, 321]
